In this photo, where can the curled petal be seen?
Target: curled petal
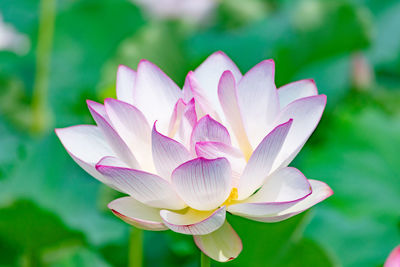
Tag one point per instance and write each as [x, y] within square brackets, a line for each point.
[155, 94]
[125, 83]
[167, 154]
[147, 188]
[258, 100]
[260, 163]
[203, 184]
[137, 214]
[194, 222]
[283, 189]
[221, 245]
[320, 191]
[296, 90]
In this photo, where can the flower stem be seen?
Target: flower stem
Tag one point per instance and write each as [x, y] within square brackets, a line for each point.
[136, 248]
[40, 109]
[204, 260]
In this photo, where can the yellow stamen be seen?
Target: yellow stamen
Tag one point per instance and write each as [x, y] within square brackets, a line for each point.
[233, 196]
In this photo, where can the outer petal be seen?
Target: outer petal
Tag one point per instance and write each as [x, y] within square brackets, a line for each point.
[155, 94]
[320, 191]
[86, 144]
[203, 184]
[283, 189]
[208, 75]
[167, 154]
[227, 94]
[260, 163]
[137, 214]
[306, 113]
[296, 90]
[147, 188]
[258, 100]
[222, 245]
[208, 129]
[112, 137]
[133, 128]
[194, 222]
[125, 83]
[394, 258]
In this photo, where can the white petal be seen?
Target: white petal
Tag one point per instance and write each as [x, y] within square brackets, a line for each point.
[167, 154]
[296, 90]
[147, 188]
[227, 93]
[306, 114]
[194, 222]
[188, 121]
[258, 100]
[155, 94]
[283, 189]
[259, 165]
[320, 191]
[222, 245]
[112, 137]
[125, 83]
[208, 75]
[208, 129]
[86, 144]
[176, 117]
[112, 161]
[133, 128]
[203, 184]
[137, 214]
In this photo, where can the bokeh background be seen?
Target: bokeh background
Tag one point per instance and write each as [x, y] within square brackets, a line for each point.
[56, 54]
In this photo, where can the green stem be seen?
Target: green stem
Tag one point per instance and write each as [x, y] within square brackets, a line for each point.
[40, 109]
[204, 260]
[136, 248]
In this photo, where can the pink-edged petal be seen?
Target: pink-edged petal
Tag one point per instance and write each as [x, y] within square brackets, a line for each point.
[125, 83]
[114, 140]
[221, 245]
[147, 188]
[283, 189]
[187, 123]
[155, 94]
[208, 129]
[296, 90]
[176, 117]
[202, 183]
[137, 214]
[258, 100]
[260, 163]
[394, 258]
[306, 114]
[187, 91]
[194, 222]
[167, 154]
[320, 191]
[133, 128]
[86, 145]
[227, 94]
[112, 161]
[208, 75]
[213, 150]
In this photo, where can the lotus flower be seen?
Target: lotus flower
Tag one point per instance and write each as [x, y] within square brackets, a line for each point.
[394, 258]
[186, 157]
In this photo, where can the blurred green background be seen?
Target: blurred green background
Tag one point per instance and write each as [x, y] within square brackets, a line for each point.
[56, 54]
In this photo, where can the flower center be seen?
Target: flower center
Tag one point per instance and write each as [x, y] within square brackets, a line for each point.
[232, 197]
